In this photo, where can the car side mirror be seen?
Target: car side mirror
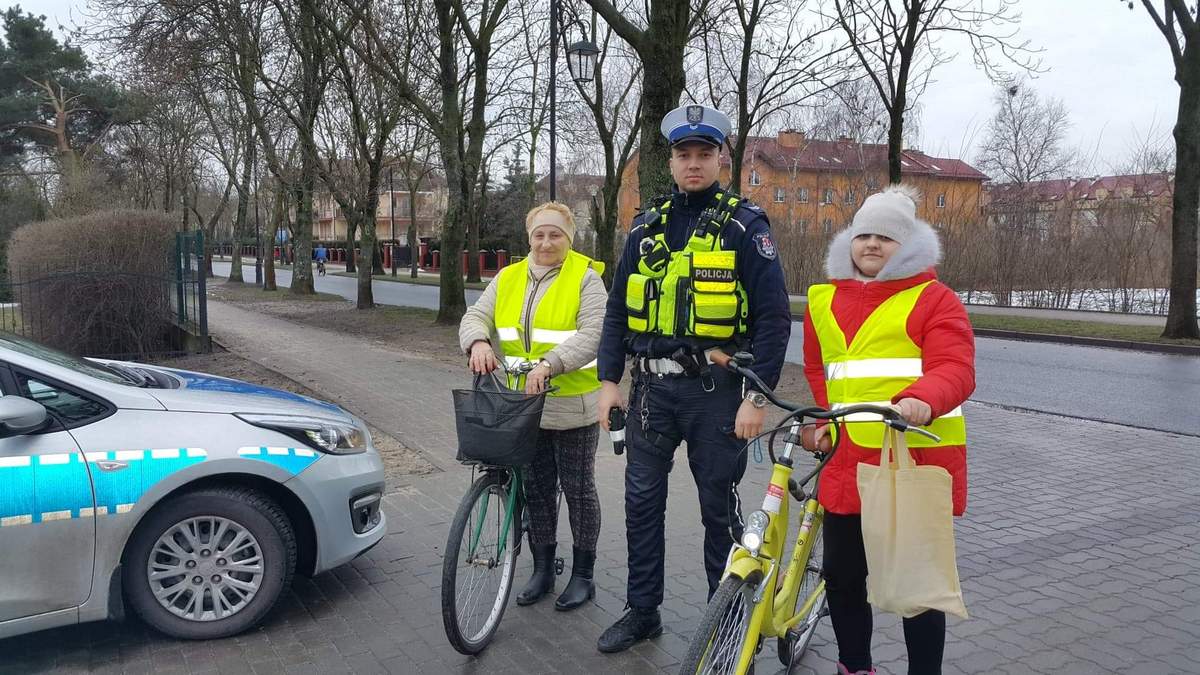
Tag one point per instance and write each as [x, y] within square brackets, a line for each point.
[20, 416]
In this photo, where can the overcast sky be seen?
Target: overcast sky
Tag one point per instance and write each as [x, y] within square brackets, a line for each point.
[1108, 64]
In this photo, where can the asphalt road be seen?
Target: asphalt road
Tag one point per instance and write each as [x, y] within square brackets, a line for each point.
[1153, 391]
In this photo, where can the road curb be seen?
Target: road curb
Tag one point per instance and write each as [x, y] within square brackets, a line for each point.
[1161, 348]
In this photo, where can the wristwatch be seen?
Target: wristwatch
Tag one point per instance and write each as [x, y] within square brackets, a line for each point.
[756, 398]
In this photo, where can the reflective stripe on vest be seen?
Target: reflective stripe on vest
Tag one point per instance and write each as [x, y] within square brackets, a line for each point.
[552, 323]
[879, 363]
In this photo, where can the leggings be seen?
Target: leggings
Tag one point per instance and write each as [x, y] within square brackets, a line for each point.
[845, 569]
[568, 456]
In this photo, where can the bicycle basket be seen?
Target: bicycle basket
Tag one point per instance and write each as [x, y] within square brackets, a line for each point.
[496, 425]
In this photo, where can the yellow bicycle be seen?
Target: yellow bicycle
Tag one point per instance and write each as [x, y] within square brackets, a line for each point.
[756, 599]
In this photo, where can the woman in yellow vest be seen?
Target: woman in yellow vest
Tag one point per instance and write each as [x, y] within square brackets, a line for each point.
[549, 309]
[884, 331]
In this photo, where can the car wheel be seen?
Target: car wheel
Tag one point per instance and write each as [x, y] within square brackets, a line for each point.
[210, 563]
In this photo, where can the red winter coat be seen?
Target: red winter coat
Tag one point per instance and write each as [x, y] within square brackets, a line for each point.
[939, 326]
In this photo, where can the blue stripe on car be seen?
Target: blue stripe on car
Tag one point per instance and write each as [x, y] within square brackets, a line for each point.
[46, 487]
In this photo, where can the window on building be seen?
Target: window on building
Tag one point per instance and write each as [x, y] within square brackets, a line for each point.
[850, 195]
[827, 226]
[755, 179]
[827, 196]
[802, 195]
[780, 194]
[941, 201]
[872, 183]
[803, 224]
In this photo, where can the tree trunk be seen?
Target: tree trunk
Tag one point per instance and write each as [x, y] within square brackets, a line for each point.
[414, 244]
[473, 233]
[366, 296]
[302, 269]
[243, 208]
[663, 81]
[895, 143]
[377, 259]
[351, 234]
[452, 301]
[277, 216]
[606, 228]
[1181, 312]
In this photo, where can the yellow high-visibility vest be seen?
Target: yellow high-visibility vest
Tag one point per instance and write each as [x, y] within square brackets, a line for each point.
[548, 325]
[878, 363]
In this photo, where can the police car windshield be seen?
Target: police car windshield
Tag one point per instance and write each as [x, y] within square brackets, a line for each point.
[64, 360]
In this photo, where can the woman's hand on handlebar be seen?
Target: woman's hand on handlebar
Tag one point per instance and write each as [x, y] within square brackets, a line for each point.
[483, 358]
[536, 379]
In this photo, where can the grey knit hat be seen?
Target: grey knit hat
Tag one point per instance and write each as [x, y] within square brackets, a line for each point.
[891, 213]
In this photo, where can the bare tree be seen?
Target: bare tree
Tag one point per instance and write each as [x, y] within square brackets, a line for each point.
[1024, 139]
[414, 148]
[660, 45]
[1178, 23]
[898, 44]
[357, 124]
[762, 58]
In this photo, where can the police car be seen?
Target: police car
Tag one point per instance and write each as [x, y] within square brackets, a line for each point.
[190, 499]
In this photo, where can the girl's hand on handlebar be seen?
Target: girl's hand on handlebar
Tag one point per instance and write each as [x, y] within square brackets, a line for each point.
[816, 438]
[483, 359]
[915, 411]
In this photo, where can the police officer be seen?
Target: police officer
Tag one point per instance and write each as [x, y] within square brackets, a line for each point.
[699, 279]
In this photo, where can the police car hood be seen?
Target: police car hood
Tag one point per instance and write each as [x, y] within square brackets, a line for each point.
[201, 392]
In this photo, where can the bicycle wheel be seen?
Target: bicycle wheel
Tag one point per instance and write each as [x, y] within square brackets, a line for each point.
[724, 630]
[791, 647]
[476, 576]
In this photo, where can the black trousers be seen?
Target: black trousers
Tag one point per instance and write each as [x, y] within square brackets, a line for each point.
[845, 569]
[677, 408]
[567, 457]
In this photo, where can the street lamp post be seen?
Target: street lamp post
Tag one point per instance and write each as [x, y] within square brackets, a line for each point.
[581, 61]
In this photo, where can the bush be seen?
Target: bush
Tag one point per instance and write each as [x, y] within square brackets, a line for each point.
[98, 284]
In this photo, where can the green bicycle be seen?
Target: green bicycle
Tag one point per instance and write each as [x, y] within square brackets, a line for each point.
[480, 557]
[756, 599]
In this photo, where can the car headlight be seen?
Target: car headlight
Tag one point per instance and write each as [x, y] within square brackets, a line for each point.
[338, 438]
[756, 527]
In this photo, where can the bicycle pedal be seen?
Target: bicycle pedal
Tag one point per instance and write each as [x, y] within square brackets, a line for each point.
[559, 566]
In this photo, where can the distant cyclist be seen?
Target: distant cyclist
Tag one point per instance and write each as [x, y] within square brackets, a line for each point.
[322, 255]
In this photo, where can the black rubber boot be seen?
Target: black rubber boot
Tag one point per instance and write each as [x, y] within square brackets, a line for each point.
[638, 624]
[580, 589]
[542, 581]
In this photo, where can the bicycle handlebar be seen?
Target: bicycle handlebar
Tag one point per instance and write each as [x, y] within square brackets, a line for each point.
[891, 416]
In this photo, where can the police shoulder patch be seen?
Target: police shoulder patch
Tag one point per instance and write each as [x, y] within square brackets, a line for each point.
[764, 245]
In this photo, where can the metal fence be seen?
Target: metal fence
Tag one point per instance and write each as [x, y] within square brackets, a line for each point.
[114, 313]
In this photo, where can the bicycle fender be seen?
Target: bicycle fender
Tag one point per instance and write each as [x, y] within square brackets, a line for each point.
[743, 565]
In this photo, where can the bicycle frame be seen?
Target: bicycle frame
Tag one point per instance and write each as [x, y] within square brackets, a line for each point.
[514, 489]
[779, 613]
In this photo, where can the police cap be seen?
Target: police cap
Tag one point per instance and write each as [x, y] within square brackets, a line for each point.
[695, 123]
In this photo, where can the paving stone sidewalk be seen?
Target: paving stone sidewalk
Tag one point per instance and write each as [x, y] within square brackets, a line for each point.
[1079, 553]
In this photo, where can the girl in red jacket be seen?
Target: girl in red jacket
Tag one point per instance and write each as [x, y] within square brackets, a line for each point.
[885, 254]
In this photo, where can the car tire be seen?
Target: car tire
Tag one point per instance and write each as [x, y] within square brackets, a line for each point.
[173, 538]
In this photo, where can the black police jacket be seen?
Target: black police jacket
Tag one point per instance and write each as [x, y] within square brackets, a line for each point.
[759, 270]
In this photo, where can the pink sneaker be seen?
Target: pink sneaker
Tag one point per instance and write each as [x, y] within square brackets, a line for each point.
[842, 670]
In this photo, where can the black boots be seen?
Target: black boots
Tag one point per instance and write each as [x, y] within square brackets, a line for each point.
[638, 624]
[580, 589]
[542, 581]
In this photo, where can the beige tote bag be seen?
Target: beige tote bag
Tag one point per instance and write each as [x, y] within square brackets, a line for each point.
[908, 533]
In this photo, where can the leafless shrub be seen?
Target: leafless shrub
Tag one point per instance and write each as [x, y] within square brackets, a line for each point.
[96, 284]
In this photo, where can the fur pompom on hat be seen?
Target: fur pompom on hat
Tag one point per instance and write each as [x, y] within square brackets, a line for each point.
[891, 213]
